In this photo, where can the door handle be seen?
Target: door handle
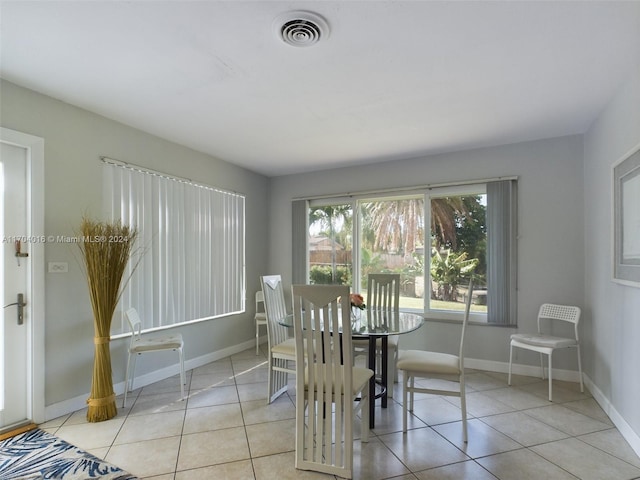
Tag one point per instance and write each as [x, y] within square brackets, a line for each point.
[21, 304]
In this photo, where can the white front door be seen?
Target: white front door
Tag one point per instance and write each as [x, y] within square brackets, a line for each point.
[15, 244]
[21, 325]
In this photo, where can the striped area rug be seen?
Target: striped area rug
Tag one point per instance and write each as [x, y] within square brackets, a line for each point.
[36, 454]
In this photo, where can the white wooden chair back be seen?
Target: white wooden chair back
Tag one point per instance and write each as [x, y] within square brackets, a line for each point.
[281, 348]
[383, 291]
[325, 376]
[275, 307]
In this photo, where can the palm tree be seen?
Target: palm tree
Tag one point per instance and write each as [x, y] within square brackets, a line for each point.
[397, 224]
[445, 215]
[327, 217]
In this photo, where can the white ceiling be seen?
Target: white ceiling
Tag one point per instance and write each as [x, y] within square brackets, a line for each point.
[394, 79]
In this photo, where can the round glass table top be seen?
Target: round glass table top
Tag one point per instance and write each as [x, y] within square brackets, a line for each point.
[377, 322]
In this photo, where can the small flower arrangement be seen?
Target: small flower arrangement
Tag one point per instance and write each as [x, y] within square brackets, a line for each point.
[357, 301]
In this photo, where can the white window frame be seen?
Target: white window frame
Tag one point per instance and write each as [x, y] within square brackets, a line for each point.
[505, 314]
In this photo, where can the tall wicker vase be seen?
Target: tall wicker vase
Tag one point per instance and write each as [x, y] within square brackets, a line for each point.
[106, 249]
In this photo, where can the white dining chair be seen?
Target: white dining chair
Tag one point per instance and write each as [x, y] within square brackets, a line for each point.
[281, 351]
[328, 386]
[545, 343]
[140, 344]
[260, 317]
[383, 293]
[426, 364]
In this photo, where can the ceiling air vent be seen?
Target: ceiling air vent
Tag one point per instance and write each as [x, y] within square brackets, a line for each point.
[301, 29]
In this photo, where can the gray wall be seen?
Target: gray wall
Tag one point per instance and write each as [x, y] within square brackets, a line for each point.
[551, 244]
[612, 326]
[74, 140]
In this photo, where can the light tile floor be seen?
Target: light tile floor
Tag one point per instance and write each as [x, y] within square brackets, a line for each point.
[225, 430]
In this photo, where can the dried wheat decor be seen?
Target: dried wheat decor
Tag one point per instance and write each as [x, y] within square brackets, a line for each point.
[106, 249]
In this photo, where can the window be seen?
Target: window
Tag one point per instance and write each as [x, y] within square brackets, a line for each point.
[192, 242]
[392, 240]
[457, 250]
[330, 244]
[434, 238]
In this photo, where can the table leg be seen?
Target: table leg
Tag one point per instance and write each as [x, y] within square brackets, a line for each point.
[385, 373]
[372, 382]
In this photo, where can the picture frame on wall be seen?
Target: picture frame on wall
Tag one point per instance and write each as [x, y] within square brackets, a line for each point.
[626, 219]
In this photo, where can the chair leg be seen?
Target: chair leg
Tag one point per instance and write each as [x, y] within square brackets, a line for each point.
[345, 457]
[550, 375]
[126, 381]
[300, 430]
[132, 375]
[463, 407]
[510, 360]
[364, 414]
[277, 379]
[182, 382]
[395, 368]
[542, 365]
[580, 369]
[413, 384]
[257, 338]
[395, 363]
[392, 374]
[405, 399]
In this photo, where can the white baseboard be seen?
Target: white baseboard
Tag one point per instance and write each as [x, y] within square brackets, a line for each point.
[519, 369]
[70, 405]
[632, 438]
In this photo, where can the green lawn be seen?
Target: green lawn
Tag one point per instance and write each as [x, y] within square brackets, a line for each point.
[418, 303]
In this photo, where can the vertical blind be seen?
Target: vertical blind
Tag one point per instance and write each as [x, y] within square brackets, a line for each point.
[191, 241]
[502, 215]
[300, 232]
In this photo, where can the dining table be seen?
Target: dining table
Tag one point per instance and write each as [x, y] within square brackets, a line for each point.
[373, 324]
